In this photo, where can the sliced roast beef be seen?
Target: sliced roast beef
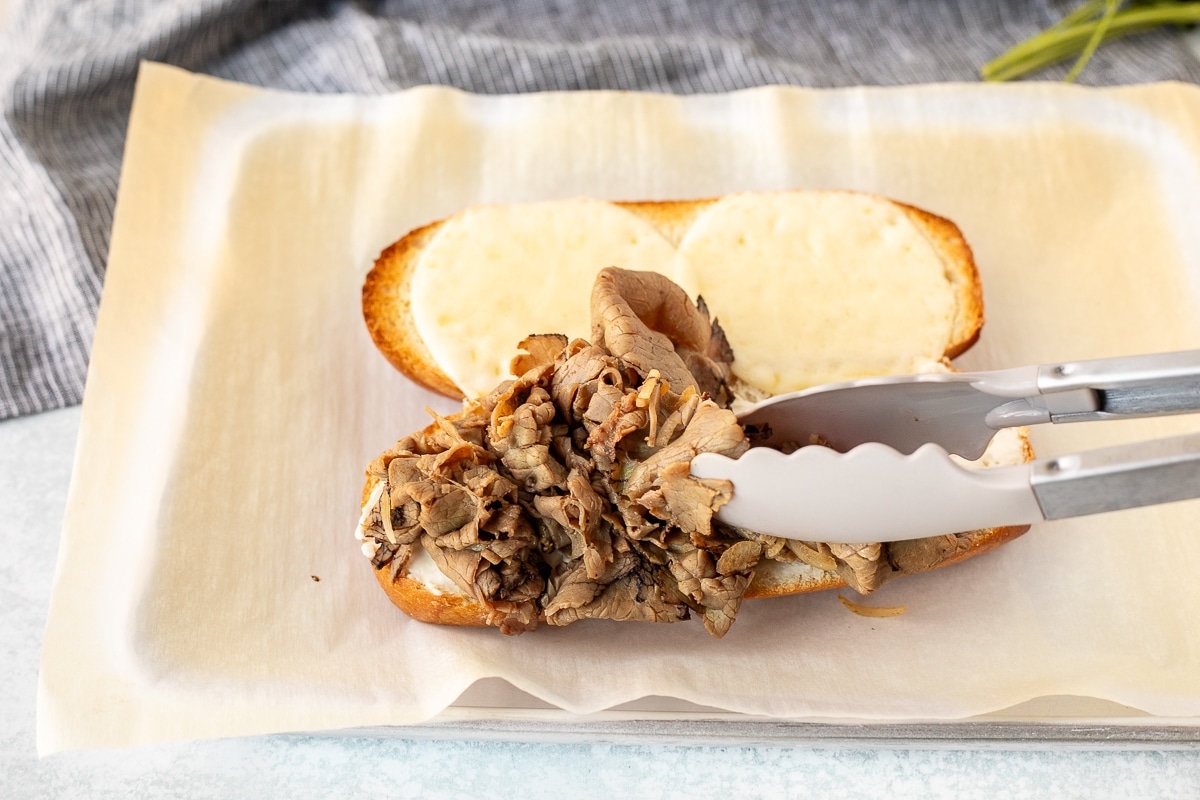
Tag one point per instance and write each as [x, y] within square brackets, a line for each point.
[566, 493]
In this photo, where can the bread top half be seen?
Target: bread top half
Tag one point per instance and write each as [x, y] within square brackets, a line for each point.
[831, 285]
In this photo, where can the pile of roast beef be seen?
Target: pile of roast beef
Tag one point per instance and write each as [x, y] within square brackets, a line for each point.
[566, 493]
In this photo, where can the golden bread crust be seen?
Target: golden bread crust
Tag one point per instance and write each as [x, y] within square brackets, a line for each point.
[387, 309]
[671, 218]
[960, 271]
[417, 601]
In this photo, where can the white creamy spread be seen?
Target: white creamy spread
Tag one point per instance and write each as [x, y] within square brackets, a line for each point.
[816, 287]
[422, 569]
[546, 256]
[360, 532]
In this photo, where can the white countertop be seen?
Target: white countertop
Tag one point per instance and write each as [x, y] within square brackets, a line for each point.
[35, 467]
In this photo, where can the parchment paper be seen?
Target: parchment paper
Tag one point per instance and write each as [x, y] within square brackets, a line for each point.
[209, 582]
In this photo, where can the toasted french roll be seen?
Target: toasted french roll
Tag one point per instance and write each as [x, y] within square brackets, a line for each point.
[561, 491]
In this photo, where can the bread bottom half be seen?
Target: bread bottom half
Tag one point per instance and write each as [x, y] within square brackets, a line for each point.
[446, 604]
[773, 579]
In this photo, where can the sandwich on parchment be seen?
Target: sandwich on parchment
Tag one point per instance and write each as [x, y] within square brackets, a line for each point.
[562, 491]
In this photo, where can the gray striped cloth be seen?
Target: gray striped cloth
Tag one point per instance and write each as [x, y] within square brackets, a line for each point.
[67, 70]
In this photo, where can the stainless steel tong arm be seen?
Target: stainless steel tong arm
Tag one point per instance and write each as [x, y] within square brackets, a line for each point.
[1157, 384]
[961, 411]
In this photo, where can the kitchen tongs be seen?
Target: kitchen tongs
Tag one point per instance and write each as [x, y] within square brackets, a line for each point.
[887, 474]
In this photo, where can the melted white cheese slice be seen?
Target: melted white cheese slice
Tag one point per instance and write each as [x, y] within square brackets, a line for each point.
[496, 274]
[817, 287]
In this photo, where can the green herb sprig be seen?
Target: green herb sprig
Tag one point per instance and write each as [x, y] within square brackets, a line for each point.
[1079, 33]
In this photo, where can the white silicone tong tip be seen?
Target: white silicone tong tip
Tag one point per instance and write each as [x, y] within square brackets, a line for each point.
[870, 494]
